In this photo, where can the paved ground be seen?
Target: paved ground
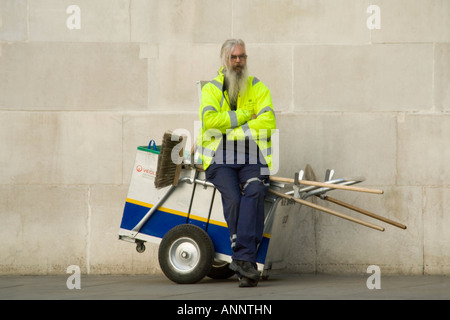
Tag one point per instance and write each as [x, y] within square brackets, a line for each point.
[277, 287]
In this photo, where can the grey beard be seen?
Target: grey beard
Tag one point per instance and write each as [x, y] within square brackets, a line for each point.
[236, 83]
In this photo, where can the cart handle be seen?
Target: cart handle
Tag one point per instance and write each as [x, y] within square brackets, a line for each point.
[152, 145]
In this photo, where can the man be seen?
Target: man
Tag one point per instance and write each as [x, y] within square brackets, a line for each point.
[234, 144]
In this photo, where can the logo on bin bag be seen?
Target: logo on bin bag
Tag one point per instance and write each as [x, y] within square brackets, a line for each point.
[145, 171]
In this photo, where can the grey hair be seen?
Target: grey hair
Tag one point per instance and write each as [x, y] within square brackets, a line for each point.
[228, 47]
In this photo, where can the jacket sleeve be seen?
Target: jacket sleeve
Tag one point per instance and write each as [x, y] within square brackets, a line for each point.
[213, 116]
[260, 127]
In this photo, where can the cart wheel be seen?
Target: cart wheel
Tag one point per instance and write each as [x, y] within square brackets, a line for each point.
[220, 270]
[186, 254]
[140, 247]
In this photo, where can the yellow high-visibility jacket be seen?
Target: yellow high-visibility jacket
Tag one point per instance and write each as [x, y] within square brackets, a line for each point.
[218, 119]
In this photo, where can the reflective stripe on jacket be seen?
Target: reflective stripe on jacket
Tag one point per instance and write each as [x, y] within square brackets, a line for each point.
[218, 119]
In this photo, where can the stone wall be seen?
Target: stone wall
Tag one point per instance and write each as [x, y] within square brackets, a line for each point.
[359, 86]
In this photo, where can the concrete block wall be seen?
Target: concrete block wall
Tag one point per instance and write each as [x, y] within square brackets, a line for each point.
[81, 87]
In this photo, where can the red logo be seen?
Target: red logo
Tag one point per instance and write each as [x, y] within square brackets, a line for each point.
[145, 171]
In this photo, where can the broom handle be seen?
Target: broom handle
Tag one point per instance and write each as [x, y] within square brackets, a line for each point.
[315, 206]
[326, 185]
[367, 213]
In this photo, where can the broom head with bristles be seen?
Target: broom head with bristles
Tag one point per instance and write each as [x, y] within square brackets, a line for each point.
[169, 160]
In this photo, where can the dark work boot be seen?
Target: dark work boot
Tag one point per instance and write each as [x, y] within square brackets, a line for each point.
[245, 269]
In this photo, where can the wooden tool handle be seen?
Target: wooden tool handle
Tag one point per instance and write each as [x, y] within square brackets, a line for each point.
[326, 185]
[367, 213]
[315, 206]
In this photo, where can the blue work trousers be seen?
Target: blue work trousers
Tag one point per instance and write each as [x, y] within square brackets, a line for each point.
[243, 188]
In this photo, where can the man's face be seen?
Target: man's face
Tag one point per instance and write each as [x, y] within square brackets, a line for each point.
[238, 59]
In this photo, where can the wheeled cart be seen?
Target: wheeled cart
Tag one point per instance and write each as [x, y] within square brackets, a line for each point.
[187, 221]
